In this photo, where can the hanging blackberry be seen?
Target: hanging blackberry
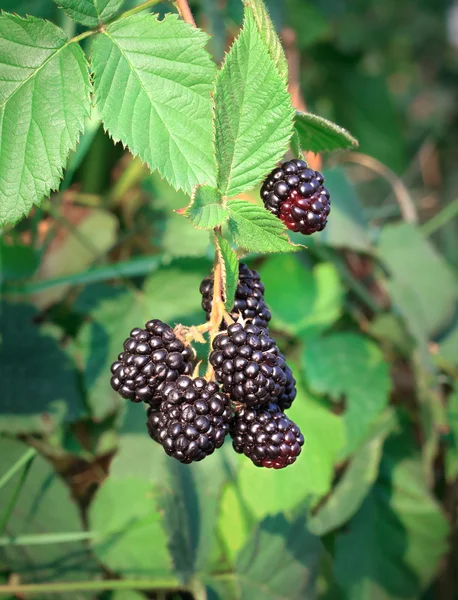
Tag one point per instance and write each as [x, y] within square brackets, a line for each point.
[151, 358]
[296, 195]
[248, 364]
[192, 421]
[287, 398]
[266, 436]
[249, 297]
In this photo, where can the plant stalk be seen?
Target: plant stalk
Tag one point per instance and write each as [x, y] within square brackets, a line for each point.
[25, 458]
[171, 584]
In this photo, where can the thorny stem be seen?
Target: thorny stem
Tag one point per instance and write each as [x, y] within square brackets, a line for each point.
[185, 12]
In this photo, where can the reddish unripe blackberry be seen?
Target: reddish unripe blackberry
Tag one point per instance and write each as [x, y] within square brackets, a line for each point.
[152, 357]
[266, 436]
[296, 195]
[248, 364]
[192, 421]
[249, 297]
[287, 398]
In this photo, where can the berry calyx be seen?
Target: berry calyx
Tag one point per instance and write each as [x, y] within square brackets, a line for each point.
[295, 193]
[248, 364]
[152, 357]
[192, 421]
[249, 300]
[267, 437]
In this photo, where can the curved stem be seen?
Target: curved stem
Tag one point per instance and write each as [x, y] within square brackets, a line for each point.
[92, 586]
[185, 12]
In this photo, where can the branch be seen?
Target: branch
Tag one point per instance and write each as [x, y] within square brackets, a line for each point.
[185, 12]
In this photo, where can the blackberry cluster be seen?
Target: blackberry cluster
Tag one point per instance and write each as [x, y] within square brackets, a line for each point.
[287, 398]
[249, 297]
[152, 358]
[248, 364]
[267, 437]
[296, 195]
[192, 421]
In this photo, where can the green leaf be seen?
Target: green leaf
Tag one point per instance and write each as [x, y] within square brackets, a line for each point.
[205, 210]
[268, 34]
[403, 248]
[17, 261]
[302, 301]
[43, 75]
[39, 382]
[311, 475]
[451, 456]
[44, 505]
[129, 528]
[152, 83]
[230, 271]
[356, 482]
[90, 12]
[253, 113]
[256, 229]
[350, 366]
[280, 558]
[317, 134]
[393, 547]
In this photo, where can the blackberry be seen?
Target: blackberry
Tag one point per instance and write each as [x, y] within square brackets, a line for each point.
[192, 421]
[248, 364]
[296, 195]
[267, 437]
[249, 297]
[287, 398]
[152, 357]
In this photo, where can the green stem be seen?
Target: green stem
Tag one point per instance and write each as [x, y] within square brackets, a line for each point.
[448, 213]
[47, 538]
[139, 8]
[171, 584]
[84, 35]
[25, 458]
[14, 497]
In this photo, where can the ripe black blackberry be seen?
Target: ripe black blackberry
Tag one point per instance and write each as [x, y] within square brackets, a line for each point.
[249, 297]
[248, 364]
[287, 398]
[152, 357]
[296, 195]
[266, 436]
[192, 421]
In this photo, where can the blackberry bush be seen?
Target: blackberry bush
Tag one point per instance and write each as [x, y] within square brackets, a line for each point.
[248, 364]
[267, 437]
[192, 421]
[152, 357]
[249, 300]
[295, 193]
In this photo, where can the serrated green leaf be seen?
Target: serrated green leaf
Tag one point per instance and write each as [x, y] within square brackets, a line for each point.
[90, 12]
[317, 134]
[394, 545]
[346, 365]
[230, 271]
[268, 34]
[39, 381]
[253, 113]
[205, 210]
[44, 505]
[302, 301]
[256, 229]
[44, 99]
[152, 82]
[403, 248]
[280, 560]
[355, 483]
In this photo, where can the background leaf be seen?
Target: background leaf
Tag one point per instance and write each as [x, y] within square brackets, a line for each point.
[256, 229]
[43, 74]
[320, 135]
[363, 381]
[164, 111]
[90, 12]
[253, 113]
